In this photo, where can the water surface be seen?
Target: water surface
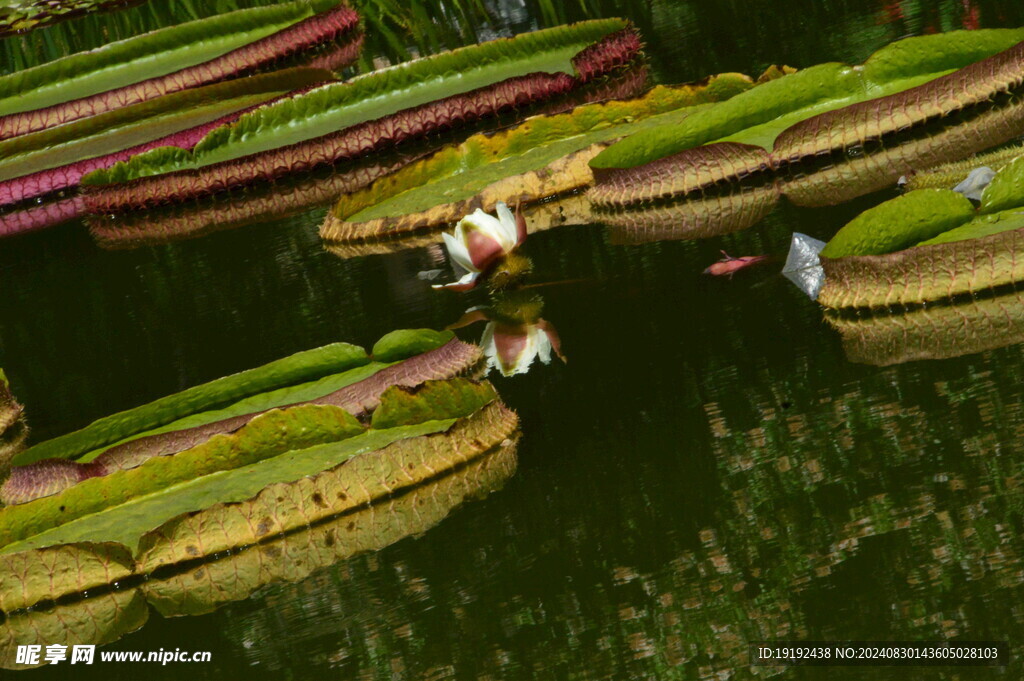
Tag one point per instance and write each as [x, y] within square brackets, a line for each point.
[708, 468]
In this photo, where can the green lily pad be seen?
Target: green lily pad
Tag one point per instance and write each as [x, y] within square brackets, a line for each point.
[901, 223]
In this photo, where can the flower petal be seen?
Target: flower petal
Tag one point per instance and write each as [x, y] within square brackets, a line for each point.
[457, 251]
[465, 284]
[521, 230]
[487, 342]
[481, 221]
[543, 344]
[552, 334]
[501, 228]
[514, 350]
[483, 249]
[527, 356]
[509, 230]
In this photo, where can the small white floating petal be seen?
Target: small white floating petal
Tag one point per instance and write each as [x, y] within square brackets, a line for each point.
[974, 184]
[469, 280]
[428, 275]
[803, 266]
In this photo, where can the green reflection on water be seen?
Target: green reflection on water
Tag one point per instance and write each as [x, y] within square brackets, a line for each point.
[396, 30]
[791, 498]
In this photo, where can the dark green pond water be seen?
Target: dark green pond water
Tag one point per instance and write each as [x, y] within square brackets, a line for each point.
[708, 468]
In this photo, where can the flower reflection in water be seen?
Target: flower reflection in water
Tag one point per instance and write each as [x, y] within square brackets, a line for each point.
[515, 334]
[485, 248]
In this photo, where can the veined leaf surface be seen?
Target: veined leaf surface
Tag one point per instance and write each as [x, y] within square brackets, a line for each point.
[929, 244]
[757, 117]
[302, 366]
[823, 112]
[357, 391]
[348, 509]
[55, 159]
[378, 110]
[369, 500]
[949, 175]
[932, 332]
[255, 205]
[429, 193]
[278, 446]
[268, 435]
[362, 479]
[163, 61]
[900, 223]
[303, 377]
[294, 555]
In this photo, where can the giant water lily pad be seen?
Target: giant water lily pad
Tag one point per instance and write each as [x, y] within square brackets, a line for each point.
[929, 244]
[703, 211]
[828, 133]
[42, 163]
[542, 157]
[129, 440]
[376, 111]
[279, 446]
[357, 391]
[266, 203]
[20, 16]
[793, 116]
[949, 175]
[932, 332]
[195, 562]
[164, 61]
[39, 508]
[53, 161]
[900, 223]
[298, 368]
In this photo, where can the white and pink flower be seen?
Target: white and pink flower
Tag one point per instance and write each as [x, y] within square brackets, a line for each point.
[511, 342]
[480, 241]
[511, 349]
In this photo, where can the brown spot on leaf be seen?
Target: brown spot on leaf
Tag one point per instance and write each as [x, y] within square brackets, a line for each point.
[263, 527]
[318, 499]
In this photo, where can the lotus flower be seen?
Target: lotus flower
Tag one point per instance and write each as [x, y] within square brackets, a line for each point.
[511, 349]
[480, 241]
[515, 334]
